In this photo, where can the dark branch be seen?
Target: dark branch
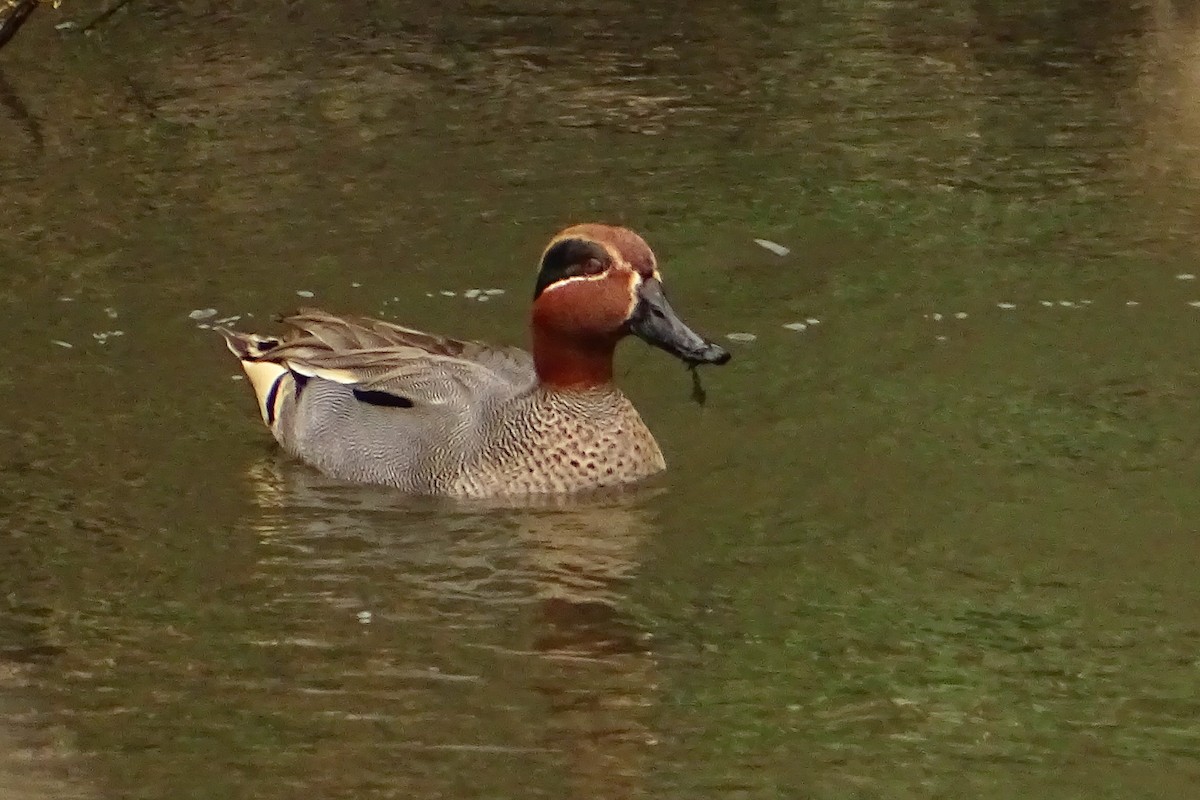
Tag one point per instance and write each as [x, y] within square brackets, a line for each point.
[13, 16]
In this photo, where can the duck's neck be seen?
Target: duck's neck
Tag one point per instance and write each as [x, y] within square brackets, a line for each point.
[565, 363]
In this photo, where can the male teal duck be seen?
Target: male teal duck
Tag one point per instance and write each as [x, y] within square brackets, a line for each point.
[370, 401]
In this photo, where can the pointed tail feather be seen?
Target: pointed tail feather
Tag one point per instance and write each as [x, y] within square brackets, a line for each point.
[247, 345]
[266, 377]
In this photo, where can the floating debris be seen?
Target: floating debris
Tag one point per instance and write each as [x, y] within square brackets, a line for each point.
[483, 298]
[1006, 306]
[305, 293]
[960, 315]
[237, 377]
[227, 320]
[741, 337]
[104, 336]
[61, 343]
[65, 299]
[446, 293]
[1194, 303]
[471, 294]
[203, 313]
[364, 617]
[1047, 303]
[355, 285]
[111, 312]
[796, 326]
[1066, 304]
[775, 248]
[1132, 303]
[813, 321]
[936, 317]
[493, 292]
[429, 294]
[1185, 276]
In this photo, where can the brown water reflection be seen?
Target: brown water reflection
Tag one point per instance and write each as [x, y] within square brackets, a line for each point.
[939, 543]
[399, 568]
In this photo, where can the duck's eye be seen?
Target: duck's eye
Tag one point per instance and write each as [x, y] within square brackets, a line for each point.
[593, 266]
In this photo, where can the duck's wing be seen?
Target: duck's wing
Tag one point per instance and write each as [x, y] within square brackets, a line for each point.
[346, 334]
[374, 356]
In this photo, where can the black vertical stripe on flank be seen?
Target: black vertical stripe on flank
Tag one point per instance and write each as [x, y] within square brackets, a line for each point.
[272, 394]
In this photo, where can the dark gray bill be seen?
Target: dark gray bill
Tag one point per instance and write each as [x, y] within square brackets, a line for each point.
[656, 322]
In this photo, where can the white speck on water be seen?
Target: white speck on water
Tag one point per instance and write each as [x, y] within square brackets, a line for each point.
[446, 293]
[1194, 303]
[1006, 306]
[774, 247]
[111, 312]
[203, 313]
[364, 617]
[941, 338]
[429, 294]
[796, 326]
[227, 320]
[355, 285]
[1185, 276]
[483, 298]
[471, 294]
[937, 317]
[1085, 302]
[204, 326]
[303, 293]
[1066, 304]
[813, 321]
[493, 292]
[1047, 303]
[1132, 303]
[741, 337]
[960, 315]
[237, 377]
[65, 299]
[61, 343]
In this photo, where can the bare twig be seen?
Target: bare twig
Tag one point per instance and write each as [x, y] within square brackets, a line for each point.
[13, 14]
[104, 15]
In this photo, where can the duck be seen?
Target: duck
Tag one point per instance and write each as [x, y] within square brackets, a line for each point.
[370, 401]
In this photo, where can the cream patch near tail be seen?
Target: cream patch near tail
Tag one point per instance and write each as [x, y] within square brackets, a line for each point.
[265, 377]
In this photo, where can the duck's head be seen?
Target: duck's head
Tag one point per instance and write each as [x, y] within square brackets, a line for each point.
[597, 284]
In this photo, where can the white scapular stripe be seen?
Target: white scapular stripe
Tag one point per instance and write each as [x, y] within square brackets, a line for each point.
[342, 376]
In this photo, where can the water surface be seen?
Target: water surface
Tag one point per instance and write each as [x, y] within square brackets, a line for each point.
[939, 543]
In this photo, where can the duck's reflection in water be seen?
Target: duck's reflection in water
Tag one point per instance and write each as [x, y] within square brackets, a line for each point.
[528, 603]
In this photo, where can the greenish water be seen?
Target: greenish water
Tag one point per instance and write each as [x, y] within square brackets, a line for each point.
[941, 543]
